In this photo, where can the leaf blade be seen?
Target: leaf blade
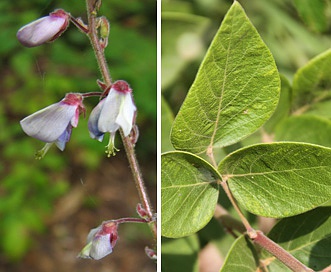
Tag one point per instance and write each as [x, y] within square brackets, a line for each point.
[306, 236]
[189, 193]
[236, 89]
[279, 179]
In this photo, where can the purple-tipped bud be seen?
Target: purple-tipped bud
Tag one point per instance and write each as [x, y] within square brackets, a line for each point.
[115, 111]
[45, 29]
[100, 241]
[54, 123]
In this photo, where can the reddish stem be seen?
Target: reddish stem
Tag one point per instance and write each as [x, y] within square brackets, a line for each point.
[280, 253]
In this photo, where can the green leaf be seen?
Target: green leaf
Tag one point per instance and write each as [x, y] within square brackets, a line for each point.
[306, 236]
[312, 82]
[241, 257]
[180, 254]
[305, 128]
[189, 193]
[236, 89]
[167, 118]
[313, 13]
[279, 179]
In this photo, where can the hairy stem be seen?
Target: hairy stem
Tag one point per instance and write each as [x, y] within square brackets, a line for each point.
[280, 253]
[92, 6]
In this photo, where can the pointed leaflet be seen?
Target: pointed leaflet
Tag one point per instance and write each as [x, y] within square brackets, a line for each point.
[241, 257]
[279, 179]
[306, 236]
[236, 89]
[189, 193]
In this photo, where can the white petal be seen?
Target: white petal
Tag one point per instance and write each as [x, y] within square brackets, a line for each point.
[49, 123]
[40, 31]
[101, 247]
[126, 114]
[92, 233]
[109, 112]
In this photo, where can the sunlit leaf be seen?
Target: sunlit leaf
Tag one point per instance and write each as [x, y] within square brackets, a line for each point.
[236, 89]
[279, 179]
[189, 193]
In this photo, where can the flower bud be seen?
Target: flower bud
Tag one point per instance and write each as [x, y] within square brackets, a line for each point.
[100, 241]
[45, 29]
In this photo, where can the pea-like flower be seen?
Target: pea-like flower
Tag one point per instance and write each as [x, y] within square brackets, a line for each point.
[100, 241]
[54, 123]
[115, 111]
[45, 29]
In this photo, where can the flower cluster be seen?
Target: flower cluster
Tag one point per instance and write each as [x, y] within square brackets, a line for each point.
[54, 123]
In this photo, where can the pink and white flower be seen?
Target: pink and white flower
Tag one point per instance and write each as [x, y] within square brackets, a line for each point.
[100, 241]
[115, 111]
[54, 123]
[45, 29]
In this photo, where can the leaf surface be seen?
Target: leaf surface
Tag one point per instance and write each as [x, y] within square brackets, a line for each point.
[312, 82]
[279, 179]
[306, 236]
[235, 91]
[241, 257]
[189, 193]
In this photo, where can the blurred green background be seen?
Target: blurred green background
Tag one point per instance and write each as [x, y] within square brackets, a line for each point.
[33, 78]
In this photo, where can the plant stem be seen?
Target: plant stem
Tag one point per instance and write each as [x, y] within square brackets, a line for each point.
[280, 253]
[130, 220]
[128, 145]
[93, 35]
[259, 238]
[243, 219]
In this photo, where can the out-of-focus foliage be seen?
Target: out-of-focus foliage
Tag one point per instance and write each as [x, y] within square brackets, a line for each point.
[32, 78]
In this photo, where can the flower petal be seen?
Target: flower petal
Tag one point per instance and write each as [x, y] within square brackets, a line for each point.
[126, 114]
[109, 112]
[49, 123]
[101, 247]
[41, 31]
[95, 133]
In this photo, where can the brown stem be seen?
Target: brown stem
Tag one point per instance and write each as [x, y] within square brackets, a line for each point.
[243, 219]
[280, 253]
[93, 35]
[92, 6]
